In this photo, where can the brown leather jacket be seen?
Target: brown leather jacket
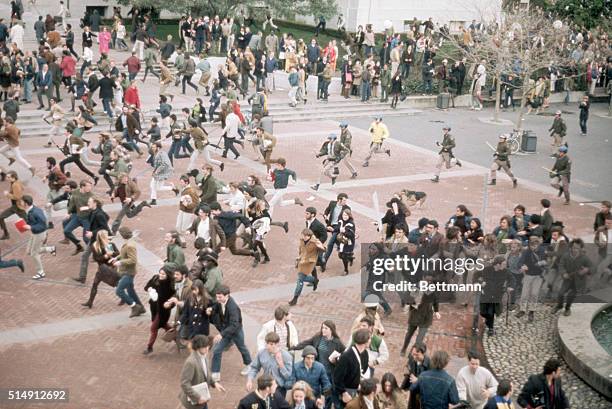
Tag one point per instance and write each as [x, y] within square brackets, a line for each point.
[11, 135]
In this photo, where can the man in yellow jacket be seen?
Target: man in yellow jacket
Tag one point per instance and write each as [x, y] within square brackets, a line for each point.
[379, 133]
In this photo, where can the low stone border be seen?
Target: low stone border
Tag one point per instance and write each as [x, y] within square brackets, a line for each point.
[520, 349]
[581, 350]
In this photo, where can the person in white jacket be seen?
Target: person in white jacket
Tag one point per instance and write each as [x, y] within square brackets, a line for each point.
[17, 35]
[230, 133]
[236, 200]
[475, 384]
[281, 325]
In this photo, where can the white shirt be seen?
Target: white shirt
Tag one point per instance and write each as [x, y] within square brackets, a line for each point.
[204, 229]
[232, 122]
[204, 365]
[236, 201]
[87, 54]
[120, 31]
[482, 75]
[469, 385]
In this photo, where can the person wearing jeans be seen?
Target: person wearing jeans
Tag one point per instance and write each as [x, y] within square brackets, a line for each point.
[307, 260]
[162, 171]
[11, 263]
[126, 266]
[226, 316]
[79, 215]
[37, 225]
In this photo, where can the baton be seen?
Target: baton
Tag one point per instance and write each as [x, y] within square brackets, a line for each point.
[491, 146]
[507, 305]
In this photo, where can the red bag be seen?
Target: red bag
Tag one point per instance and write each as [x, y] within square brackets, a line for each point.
[20, 225]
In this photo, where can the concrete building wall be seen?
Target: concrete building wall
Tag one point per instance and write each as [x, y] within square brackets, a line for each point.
[356, 12]
[361, 12]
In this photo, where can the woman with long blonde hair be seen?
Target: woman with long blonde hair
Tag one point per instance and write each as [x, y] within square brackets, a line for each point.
[301, 396]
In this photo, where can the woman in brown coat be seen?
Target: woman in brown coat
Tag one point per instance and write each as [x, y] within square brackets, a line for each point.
[309, 252]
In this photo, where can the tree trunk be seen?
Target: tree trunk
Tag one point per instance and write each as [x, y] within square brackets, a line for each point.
[524, 88]
[497, 97]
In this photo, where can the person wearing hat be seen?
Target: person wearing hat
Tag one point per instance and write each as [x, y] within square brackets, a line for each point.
[212, 274]
[161, 289]
[312, 372]
[126, 264]
[446, 154]
[561, 173]
[332, 149]
[379, 132]
[370, 304]
[346, 140]
[501, 160]
[557, 131]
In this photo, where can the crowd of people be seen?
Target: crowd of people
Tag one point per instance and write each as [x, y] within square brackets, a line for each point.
[529, 250]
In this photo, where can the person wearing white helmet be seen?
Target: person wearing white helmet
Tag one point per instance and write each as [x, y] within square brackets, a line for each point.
[379, 133]
[560, 174]
[332, 150]
[501, 160]
[346, 139]
[446, 154]
[558, 130]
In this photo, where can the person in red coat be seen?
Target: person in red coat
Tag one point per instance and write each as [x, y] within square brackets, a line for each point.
[68, 66]
[131, 96]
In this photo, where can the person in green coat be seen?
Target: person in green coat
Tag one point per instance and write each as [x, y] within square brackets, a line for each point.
[150, 59]
[385, 83]
[174, 249]
[212, 275]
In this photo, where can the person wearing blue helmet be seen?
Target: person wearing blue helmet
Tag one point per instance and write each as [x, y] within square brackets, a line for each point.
[332, 150]
[346, 139]
[560, 174]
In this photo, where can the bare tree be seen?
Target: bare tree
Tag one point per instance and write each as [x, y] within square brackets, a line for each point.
[523, 44]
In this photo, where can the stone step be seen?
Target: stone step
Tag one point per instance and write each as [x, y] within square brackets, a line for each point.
[306, 117]
[366, 109]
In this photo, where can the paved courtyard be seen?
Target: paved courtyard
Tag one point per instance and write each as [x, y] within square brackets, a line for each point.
[48, 340]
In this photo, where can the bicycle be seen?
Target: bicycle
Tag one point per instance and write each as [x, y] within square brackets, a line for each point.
[514, 141]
